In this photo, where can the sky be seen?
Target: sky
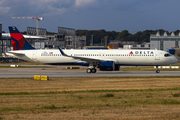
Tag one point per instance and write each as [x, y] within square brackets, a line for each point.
[110, 15]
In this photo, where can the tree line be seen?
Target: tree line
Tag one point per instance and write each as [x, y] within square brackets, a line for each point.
[99, 35]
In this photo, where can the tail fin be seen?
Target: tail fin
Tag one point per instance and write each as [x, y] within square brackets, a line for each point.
[18, 40]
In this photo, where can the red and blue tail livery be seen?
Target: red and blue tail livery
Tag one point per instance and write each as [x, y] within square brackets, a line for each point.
[18, 40]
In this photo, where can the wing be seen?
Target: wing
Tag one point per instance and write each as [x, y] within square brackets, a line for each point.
[88, 60]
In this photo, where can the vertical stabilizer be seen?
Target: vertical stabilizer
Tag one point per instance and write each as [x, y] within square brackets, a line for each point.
[18, 40]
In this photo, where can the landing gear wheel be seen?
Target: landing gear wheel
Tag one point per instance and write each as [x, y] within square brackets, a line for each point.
[93, 70]
[157, 71]
[88, 70]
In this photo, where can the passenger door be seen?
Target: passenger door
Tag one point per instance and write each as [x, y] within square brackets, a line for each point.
[157, 55]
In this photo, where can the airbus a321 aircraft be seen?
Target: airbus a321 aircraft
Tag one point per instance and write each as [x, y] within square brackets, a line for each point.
[105, 60]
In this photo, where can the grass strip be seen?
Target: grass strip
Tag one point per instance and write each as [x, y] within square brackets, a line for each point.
[123, 103]
[11, 109]
[28, 67]
[88, 91]
[147, 69]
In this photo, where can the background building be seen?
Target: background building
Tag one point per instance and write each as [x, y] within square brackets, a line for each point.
[65, 38]
[114, 45]
[165, 41]
[71, 40]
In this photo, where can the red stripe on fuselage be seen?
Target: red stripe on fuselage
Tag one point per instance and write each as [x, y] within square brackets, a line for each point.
[21, 40]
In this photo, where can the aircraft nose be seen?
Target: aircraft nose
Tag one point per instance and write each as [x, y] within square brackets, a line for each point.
[175, 60]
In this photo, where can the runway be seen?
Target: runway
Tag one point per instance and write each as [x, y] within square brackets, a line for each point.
[30, 72]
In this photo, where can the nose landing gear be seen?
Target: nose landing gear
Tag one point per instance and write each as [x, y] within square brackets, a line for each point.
[157, 69]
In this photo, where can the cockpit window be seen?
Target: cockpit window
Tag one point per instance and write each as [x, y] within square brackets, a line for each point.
[167, 55]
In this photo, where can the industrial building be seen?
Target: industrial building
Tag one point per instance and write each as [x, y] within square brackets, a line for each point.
[65, 38]
[114, 45]
[71, 40]
[165, 41]
[128, 45]
[144, 46]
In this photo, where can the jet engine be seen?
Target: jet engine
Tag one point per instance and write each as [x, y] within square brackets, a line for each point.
[108, 66]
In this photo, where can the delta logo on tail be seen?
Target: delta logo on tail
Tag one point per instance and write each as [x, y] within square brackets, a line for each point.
[18, 40]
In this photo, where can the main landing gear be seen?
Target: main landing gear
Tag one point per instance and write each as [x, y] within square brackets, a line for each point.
[157, 69]
[91, 70]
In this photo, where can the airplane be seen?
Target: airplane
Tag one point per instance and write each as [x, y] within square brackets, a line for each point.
[105, 60]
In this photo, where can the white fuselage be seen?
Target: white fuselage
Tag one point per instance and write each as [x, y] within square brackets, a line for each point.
[120, 57]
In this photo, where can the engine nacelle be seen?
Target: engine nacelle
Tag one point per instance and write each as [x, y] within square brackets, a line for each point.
[107, 66]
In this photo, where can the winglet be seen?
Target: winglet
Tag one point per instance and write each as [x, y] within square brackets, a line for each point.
[61, 51]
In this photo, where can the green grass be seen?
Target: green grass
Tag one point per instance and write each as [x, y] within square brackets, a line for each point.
[108, 95]
[52, 107]
[176, 94]
[150, 102]
[89, 91]
[11, 109]
[169, 102]
[42, 100]
[104, 99]
[49, 107]
[104, 103]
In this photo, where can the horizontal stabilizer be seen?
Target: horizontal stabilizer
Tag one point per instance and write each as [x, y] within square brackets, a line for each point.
[15, 53]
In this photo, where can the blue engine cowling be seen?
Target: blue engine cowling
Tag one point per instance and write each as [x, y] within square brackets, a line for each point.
[107, 66]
